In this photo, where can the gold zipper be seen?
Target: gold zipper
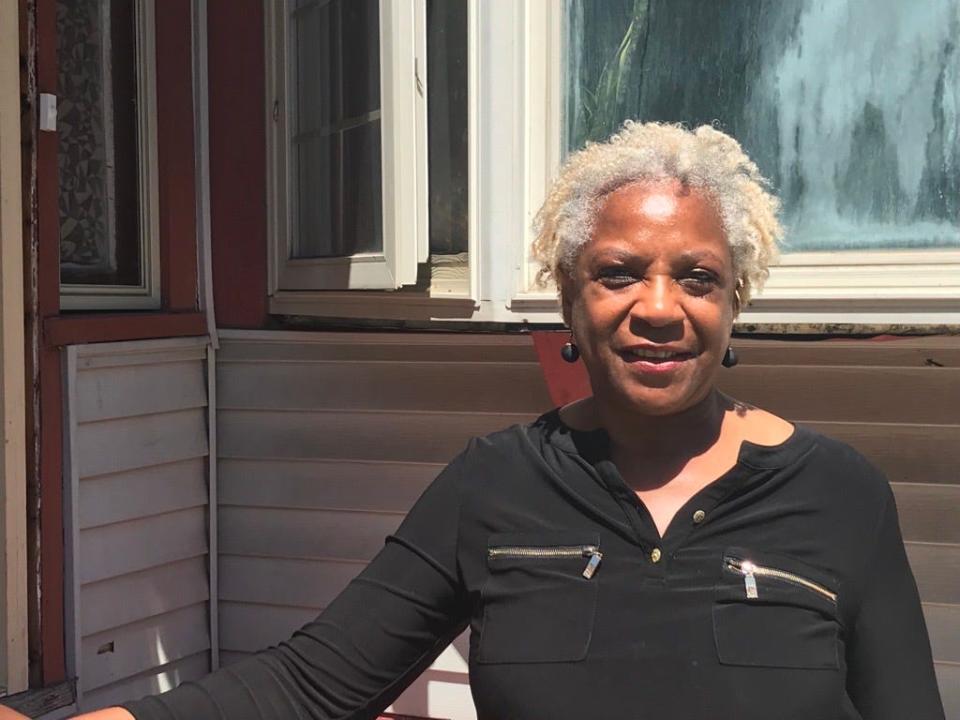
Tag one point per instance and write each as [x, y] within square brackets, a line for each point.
[750, 570]
[554, 551]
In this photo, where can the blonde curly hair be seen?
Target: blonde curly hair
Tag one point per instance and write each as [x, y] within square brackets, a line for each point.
[704, 158]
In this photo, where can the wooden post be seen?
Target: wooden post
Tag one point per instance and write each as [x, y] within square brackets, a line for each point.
[13, 502]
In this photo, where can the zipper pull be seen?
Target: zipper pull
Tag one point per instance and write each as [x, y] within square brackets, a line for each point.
[595, 557]
[749, 579]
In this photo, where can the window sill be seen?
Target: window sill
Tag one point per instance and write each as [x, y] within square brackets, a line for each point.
[373, 305]
[89, 328]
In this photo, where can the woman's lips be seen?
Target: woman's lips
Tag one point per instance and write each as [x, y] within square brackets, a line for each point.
[655, 362]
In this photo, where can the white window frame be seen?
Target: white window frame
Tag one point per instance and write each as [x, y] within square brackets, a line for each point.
[146, 295]
[515, 116]
[866, 287]
[403, 131]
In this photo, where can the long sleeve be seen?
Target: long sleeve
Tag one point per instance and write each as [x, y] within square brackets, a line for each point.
[890, 668]
[374, 639]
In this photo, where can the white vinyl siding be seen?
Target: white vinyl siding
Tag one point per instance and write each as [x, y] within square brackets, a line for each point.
[138, 579]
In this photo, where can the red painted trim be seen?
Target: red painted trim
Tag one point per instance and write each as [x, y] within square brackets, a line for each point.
[176, 168]
[51, 521]
[566, 382]
[53, 664]
[238, 172]
[67, 330]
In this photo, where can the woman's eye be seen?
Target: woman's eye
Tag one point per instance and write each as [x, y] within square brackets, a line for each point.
[616, 276]
[700, 281]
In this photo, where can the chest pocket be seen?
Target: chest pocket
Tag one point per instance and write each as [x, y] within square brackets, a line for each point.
[540, 597]
[775, 611]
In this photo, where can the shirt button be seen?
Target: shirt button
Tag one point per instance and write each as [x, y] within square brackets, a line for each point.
[698, 516]
[655, 555]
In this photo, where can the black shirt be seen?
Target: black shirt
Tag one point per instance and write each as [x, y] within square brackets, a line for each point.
[781, 590]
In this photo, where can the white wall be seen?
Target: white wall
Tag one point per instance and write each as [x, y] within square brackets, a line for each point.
[137, 542]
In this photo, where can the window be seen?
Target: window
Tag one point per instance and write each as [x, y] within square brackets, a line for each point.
[861, 145]
[107, 154]
[369, 147]
[856, 131]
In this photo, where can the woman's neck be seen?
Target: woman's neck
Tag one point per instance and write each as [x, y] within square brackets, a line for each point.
[682, 435]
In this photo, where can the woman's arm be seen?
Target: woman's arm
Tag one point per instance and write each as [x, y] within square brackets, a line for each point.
[371, 642]
[890, 668]
[113, 713]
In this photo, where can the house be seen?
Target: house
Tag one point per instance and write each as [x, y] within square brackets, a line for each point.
[272, 261]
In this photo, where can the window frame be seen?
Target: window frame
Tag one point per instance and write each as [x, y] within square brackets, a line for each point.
[865, 287]
[515, 116]
[146, 295]
[403, 131]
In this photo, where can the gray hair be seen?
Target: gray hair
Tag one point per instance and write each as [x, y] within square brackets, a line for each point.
[703, 158]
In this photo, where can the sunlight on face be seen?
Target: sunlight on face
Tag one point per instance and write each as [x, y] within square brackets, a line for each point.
[659, 205]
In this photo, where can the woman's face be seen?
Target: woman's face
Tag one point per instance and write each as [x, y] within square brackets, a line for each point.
[651, 299]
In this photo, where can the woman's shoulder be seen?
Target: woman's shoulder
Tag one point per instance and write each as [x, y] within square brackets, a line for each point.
[833, 460]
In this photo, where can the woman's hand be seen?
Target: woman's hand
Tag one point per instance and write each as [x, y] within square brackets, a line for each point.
[8, 714]
[111, 713]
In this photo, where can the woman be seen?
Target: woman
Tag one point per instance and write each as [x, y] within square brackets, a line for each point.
[658, 550]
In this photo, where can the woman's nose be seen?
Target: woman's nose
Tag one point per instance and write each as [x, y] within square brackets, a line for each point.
[657, 304]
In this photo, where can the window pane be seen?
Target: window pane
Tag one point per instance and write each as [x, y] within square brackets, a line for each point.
[98, 157]
[447, 125]
[849, 107]
[335, 165]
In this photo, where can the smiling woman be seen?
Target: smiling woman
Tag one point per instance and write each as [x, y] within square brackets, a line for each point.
[657, 550]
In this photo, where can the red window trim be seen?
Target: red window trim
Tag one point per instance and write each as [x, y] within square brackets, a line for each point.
[179, 316]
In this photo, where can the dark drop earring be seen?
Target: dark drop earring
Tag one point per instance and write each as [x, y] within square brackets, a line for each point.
[729, 358]
[570, 352]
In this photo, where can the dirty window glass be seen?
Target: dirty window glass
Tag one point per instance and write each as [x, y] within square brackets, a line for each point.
[98, 157]
[849, 107]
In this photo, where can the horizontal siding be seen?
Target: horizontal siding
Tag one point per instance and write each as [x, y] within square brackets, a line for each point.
[135, 545]
[325, 439]
[346, 435]
[905, 453]
[157, 590]
[856, 394]
[425, 386]
[942, 624]
[114, 498]
[270, 532]
[131, 649]
[150, 682]
[936, 567]
[928, 513]
[324, 484]
[138, 458]
[111, 446]
[948, 676]
[284, 581]
[123, 392]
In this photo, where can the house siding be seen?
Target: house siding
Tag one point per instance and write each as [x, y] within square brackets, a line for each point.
[326, 439]
[136, 464]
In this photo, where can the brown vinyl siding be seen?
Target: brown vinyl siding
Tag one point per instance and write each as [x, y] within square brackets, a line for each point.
[325, 439]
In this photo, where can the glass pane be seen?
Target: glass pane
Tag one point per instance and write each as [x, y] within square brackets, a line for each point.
[849, 107]
[360, 40]
[315, 232]
[447, 125]
[362, 225]
[98, 157]
[335, 144]
[316, 87]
